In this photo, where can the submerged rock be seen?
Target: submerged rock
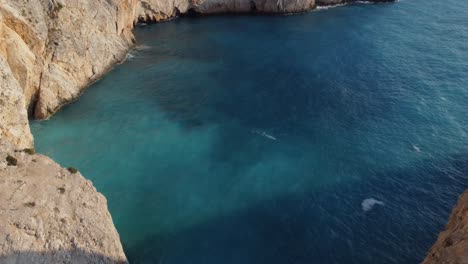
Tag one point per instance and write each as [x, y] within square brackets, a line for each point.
[50, 215]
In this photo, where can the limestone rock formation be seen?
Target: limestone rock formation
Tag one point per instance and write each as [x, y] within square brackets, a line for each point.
[55, 48]
[245, 6]
[159, 10]
[51, 215]
[13, 117]
[452, 245]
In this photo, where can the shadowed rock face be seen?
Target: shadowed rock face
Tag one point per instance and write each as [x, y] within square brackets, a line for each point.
[157, 10]
[51, 215]
[61, 256]
[452, 245]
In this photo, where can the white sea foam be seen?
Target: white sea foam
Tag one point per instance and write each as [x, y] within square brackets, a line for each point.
[415, 147]
[133, 53]
[338, 5]
[369, 203]
[130, 56]
[268, 136]
[142, 47]
[264, 134]
[329, 6]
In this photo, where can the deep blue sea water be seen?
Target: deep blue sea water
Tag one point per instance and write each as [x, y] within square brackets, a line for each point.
[255, 139]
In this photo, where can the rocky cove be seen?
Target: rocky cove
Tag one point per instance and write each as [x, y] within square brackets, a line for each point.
[49, 53]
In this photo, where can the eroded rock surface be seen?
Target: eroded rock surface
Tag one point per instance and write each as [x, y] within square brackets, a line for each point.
[51, 215]
[158, 10]
[55, 48]
[451, 246]
[14, 124]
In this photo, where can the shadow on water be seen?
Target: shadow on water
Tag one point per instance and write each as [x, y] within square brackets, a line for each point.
[59, 256]
[317, 227]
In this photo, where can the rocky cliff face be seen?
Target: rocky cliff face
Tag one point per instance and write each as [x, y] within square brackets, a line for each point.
[52, 215]
[158, 10]
[56, 48]
[452, 245]
[50, 51]
[13, 117]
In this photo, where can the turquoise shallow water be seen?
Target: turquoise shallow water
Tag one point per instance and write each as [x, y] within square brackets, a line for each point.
[256, 139]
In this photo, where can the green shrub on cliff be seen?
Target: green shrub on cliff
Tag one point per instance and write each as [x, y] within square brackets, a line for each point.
[72, 170]
[11, 161]
[58, 7]
[29, 151]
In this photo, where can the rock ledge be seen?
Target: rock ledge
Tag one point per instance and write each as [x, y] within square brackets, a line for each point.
[51, 215]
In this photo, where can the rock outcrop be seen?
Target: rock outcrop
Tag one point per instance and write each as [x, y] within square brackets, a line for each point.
[14, 124]
[55, 48]
[246, 6]
[158, 10]
[52, 215]
[452, 245]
